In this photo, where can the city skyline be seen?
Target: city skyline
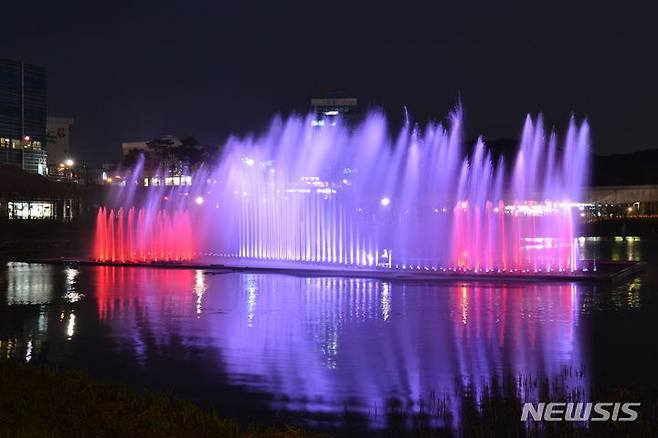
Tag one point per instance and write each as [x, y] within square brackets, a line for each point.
[211, 70]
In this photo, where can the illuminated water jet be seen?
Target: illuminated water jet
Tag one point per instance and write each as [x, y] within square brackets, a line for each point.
[356, 197]
[140, 236]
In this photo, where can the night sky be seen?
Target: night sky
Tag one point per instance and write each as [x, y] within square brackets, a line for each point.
[130, 71]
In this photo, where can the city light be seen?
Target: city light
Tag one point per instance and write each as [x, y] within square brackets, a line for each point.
[69, 162]
[199, 200]
[384, 201]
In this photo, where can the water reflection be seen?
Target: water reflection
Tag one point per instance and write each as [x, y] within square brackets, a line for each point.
[71, 294]
[30, 301]
[618, 248]
[625, 296]
[29, 283]
[311, 345]
[199, 289]
[22, 333]
[317, 344]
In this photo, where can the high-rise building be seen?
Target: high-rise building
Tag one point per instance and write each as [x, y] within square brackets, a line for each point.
[59, 140]
[23, 115]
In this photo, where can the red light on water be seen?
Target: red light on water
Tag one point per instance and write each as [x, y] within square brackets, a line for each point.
[136, 237]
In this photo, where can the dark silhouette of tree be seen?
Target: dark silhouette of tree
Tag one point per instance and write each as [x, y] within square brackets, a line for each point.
[133, 157]
[174, 154]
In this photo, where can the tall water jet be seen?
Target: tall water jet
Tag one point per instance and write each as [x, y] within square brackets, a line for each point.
[163, 237]
[357, 197]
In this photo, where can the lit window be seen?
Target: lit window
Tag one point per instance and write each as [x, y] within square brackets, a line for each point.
[31, 210]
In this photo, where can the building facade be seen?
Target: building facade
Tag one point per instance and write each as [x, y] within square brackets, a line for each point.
[27, 196]
[23, 116]
[58, 131]
[326, 109]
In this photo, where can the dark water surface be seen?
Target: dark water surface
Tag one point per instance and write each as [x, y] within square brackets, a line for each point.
[312, 350]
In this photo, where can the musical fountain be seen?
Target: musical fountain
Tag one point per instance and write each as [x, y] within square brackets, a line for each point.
[355, 200]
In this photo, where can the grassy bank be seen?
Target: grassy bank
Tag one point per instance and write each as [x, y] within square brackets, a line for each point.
[37, 402]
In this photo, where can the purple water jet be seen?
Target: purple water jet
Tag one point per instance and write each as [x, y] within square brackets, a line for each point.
[357, 197]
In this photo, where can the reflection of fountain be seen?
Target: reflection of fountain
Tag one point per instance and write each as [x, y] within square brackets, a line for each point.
[331, 195]
[317, 344]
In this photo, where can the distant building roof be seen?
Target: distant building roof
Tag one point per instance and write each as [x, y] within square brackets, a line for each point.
[59, 120]
[331, 101]
[15, 183]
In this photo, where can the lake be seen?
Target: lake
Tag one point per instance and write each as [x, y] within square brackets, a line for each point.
[329, 351]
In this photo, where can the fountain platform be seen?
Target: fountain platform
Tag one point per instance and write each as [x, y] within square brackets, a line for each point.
[605, 272]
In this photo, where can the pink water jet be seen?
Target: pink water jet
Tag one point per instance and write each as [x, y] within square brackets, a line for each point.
[136, 236]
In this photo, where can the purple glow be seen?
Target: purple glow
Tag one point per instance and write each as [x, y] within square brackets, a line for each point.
[357, 197]
[339, 339]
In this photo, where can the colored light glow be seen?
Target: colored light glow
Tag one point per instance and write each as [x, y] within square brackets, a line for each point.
[132, 235]
[487, 209]
[199, 200]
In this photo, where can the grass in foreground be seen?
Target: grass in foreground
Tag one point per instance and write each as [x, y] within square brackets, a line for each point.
[38, 402]
[35, 401]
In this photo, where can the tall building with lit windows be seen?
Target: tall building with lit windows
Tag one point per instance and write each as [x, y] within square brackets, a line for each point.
[23, 115]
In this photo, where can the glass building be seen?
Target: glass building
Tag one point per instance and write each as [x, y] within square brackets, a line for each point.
[23, 115]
